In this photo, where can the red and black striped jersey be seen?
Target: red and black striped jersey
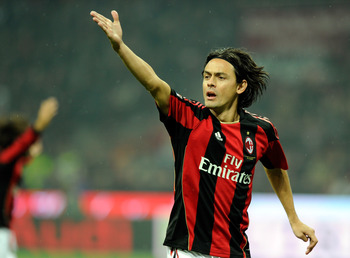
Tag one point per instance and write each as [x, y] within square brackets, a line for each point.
[214, 169]
[12, 160]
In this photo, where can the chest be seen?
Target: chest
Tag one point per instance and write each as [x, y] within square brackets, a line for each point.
[237, 140]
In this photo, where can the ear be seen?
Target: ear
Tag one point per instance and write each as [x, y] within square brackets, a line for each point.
[241, 87]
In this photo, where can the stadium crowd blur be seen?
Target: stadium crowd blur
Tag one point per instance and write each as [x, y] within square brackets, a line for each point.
[107, 135]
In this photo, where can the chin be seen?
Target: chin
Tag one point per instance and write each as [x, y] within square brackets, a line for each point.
[209, 104]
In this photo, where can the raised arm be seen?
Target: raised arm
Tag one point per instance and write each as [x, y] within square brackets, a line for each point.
[143, 72]
[47, 111]
[20, 145]
[279, 180]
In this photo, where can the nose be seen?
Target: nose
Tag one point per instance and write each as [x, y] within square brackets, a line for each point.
[210, 83]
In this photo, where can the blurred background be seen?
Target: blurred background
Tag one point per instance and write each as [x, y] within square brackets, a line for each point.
[107, 136]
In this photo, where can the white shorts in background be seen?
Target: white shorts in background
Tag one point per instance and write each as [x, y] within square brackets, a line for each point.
[178, 253]
[8, 243]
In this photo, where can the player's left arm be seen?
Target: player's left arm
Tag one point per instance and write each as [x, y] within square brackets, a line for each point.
[279, 180]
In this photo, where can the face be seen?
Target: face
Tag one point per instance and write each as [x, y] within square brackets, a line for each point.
[220, 88]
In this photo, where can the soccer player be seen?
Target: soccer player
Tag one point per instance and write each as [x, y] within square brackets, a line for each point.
[19, 142]
[216, 147]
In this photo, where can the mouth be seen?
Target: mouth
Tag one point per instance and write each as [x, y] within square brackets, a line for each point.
[211, 95]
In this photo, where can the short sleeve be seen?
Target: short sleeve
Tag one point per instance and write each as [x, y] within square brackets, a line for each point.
[274, 156]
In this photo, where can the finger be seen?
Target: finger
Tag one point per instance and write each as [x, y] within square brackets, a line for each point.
[313, 242]
[102, 22]
[115, 16]
[98, 17]
[103, 25]
[310, 247]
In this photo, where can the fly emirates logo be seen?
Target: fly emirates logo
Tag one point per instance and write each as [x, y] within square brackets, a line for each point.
[229, 170]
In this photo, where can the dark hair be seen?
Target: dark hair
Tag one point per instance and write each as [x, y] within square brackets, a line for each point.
[245, 68]
[10, 128]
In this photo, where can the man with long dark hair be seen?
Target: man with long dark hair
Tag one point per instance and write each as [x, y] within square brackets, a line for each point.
[216, 147]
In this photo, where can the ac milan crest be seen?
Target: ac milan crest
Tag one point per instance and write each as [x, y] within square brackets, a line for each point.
[249, 146]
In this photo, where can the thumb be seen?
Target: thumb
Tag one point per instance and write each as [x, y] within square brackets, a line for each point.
[303, 237]
[115, 16]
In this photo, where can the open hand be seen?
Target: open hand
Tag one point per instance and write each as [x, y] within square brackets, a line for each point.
[113, 29]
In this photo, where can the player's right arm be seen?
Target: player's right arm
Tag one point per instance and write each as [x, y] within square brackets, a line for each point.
[143, 72]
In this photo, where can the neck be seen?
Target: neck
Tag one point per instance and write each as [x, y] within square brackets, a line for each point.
[226, 117]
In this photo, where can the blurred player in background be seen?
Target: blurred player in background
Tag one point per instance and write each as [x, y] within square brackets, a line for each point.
[216, 147]
[19, 143]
